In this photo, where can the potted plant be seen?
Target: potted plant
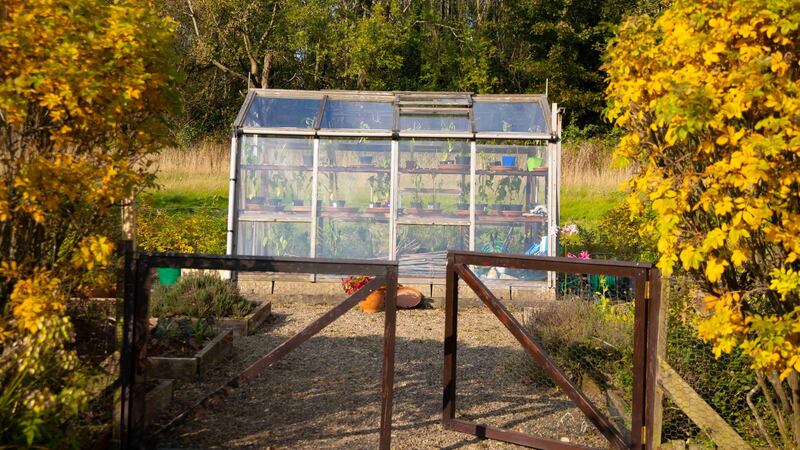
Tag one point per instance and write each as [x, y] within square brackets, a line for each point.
[416, 201]
[365, 160]
[411, 164]
[463, 195]
[534, 161]
[379, 190]
[485, 185]
[433, 204]
[374, 301]
[507, 189]
[252, 188]
[445, 155]
[276, 190]
[299, 185]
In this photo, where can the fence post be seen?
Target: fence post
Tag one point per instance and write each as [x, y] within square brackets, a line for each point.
[657, 340]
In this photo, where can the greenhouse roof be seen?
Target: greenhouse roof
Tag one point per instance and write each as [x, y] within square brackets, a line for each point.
[399, 114]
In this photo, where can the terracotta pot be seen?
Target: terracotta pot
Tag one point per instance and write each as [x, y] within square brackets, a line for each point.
[408, 297]
[374, 302]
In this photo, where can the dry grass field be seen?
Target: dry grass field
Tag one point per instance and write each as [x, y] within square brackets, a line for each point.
[199, 175]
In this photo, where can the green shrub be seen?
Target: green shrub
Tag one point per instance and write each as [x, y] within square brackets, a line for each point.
[587, 339]
[199, 295]
[614, 236]
[191, 230]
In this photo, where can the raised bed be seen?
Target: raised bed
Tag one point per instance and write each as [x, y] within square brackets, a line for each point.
[246, 325]
[190, 368]
[157, 399]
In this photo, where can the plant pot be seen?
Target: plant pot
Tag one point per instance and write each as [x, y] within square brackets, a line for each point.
[434, 205]
[463, 160]
[462, 206]
[377, 204]
[275, 202]
[513, 207]
[168, 276]
[365, 159]
[337, 204]
[410, 165]
[374, 302]
[254, 203]
[297, 202]
[481, 207]
[508, 160]
[417, 205]
[499, 207]
[534, 162]
[308, 160]
[447, 161]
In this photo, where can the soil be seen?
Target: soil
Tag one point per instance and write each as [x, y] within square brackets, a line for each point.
[95, 327]
[178, 342]
[325, 394]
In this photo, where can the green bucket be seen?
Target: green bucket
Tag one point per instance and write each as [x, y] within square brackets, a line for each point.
[168, 276]
[534, 162]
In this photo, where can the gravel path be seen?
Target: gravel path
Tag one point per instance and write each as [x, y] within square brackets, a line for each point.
[325, 394]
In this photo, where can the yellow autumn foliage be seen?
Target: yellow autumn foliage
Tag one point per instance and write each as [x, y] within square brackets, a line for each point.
[85, 89]
[708, 97]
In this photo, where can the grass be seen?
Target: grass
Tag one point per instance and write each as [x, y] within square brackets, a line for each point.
[198, 178]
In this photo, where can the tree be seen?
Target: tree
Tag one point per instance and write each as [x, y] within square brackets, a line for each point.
[512, 46]
[85, 91]
[707, 96]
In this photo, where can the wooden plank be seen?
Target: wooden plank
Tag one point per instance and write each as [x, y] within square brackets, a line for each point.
[387, 390]
[513, 437]
[450, 343]
[693, 405]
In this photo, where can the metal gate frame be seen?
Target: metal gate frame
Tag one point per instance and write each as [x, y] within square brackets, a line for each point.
[133, 362]
[647, 298]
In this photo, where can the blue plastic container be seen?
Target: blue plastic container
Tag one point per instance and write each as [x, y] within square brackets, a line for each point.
[508, 161]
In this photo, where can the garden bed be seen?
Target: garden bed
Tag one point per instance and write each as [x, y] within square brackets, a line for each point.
[247, 325]
[197, 365]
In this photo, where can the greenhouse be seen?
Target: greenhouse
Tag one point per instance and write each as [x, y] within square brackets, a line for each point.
[394, 175]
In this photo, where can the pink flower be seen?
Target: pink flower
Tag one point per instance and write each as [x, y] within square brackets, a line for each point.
[582, 255]
[570, 229]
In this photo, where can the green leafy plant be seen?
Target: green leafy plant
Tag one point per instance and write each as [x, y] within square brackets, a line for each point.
[379, 187]
[418, 185]
[199, 295]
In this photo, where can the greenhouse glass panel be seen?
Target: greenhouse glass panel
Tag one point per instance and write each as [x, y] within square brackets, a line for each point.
[279, 112]
[509, 117]
[273, 239]
[354, 186]
[434, 181]
[422, 249]
[351, 114]
[434, 122]
[275, 186]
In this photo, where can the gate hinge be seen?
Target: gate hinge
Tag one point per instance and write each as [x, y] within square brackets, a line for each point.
[644, 435]
[647, 290]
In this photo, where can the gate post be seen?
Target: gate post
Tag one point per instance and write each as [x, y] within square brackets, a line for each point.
[656, 348]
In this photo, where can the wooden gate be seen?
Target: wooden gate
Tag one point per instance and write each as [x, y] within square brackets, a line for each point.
[646, 288]
[138, 273]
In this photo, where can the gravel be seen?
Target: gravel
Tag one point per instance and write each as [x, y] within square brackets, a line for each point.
[325, 394]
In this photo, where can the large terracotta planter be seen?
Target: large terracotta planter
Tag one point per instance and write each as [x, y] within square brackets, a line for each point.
[374, 302]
